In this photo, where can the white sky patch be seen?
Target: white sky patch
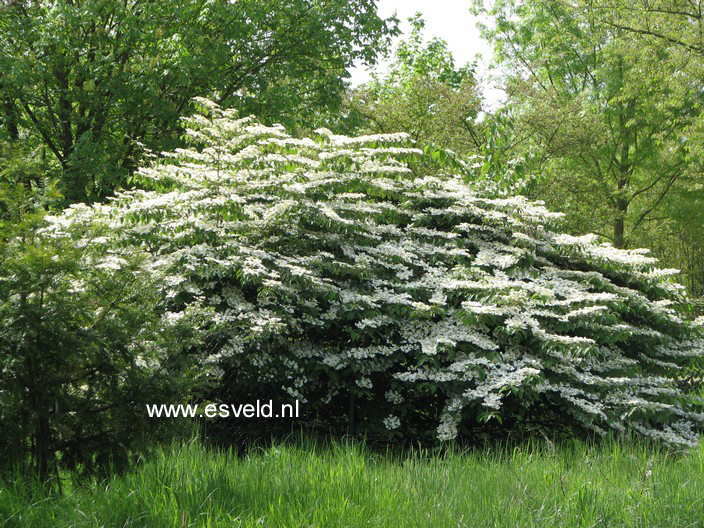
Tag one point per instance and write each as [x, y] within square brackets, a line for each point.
[451, 21]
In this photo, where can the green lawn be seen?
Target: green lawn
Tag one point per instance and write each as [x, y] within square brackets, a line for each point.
[345, 485]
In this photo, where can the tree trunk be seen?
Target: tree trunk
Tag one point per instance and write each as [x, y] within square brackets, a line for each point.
[11, 120]
[625, 171]
[620, 223]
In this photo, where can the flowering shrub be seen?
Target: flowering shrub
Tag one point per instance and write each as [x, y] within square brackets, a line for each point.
[332, 271]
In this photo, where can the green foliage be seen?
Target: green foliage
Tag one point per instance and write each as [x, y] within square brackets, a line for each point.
[25, 190]
[613, 133]
[82, 345]
[504, 165]
[422, 93]
[432, 60]
[570, 485]
[671, 30]
[683, 239]
[608, 94]
[92, 80]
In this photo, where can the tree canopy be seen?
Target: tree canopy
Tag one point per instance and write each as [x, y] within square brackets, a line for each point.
[92, 80]
[422, 92]
[608, 105]
[614, 134]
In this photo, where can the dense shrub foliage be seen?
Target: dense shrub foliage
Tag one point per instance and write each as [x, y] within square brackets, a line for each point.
[83, 343]
[334, 273]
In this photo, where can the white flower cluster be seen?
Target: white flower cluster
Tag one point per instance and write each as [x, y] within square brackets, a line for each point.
[394, 397]
[326, 261]
[392, 422]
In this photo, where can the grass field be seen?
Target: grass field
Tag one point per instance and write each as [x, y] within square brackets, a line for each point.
[347, 485]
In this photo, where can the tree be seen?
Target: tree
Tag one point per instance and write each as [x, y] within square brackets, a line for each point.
[84, 343]
[677, 27]
[683, 241]
[614, 134]
[411, 305]
[424, 94]
[677, 23]
[91, 79]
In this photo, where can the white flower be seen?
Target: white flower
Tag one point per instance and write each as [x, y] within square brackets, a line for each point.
[394, 397]
[392, 422]
[365, 383]
[447, 430]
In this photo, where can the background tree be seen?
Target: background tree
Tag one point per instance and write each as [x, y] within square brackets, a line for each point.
[423, 93]
[91, 79]
[674, 22]
[614, 135]
[676, 26]
[614, 115]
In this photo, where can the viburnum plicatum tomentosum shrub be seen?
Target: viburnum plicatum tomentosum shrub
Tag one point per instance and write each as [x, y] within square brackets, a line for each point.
[333, 271]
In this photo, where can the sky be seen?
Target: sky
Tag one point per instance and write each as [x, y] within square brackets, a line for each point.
[451, 21]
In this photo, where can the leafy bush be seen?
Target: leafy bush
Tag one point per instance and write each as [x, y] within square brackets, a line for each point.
[83, 343]
[335, 275]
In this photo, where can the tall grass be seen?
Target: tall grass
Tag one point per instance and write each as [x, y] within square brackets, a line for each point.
[573, 485]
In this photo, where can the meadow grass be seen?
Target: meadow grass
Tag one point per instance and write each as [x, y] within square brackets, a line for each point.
[344, 484]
